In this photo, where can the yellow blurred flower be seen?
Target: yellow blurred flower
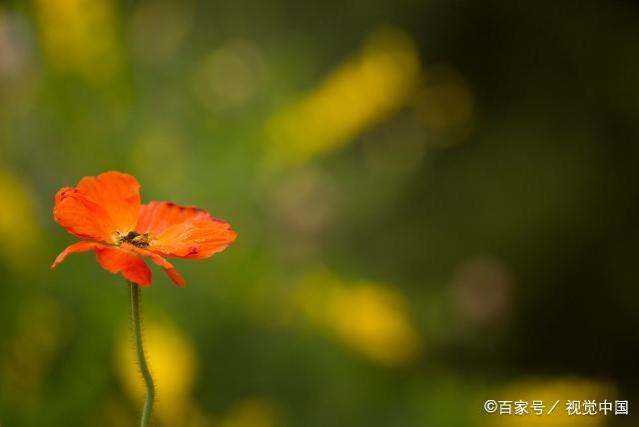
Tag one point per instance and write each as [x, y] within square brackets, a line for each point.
[173, 363]
[363, 91]
[549, 392]
[368, 317]
[17, 223]
[79, 37]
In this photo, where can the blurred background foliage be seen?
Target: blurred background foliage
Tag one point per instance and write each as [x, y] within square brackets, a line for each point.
[436, 204]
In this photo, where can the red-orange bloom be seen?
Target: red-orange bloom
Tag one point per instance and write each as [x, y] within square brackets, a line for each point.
[107, 209]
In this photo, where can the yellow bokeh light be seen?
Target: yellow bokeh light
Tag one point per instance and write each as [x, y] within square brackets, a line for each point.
[229, 77]
[152, 147]
[369, 317]
[363, 91]
[158, 28]
[18, 223]
[173, 363]
[79, 37]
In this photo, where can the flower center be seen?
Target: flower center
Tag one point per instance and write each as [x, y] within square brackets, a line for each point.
[133, 238]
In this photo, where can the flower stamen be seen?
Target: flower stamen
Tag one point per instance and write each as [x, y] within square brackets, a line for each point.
[133, 238]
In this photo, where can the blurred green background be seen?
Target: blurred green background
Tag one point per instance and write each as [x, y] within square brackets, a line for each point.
[436, 204]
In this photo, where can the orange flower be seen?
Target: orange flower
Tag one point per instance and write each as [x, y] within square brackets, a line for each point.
[107, 208]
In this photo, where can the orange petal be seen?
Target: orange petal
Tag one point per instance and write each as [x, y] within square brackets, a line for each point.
[183, 231]
[129, 265]
[75, 248]
[167, 266]
[156, 217]
[99, 206]
[112, 259]
[194, 239]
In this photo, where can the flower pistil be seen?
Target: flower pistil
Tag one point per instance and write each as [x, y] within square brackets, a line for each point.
[133, 238]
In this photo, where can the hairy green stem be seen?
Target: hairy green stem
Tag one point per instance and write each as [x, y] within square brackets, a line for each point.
[136, 329]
